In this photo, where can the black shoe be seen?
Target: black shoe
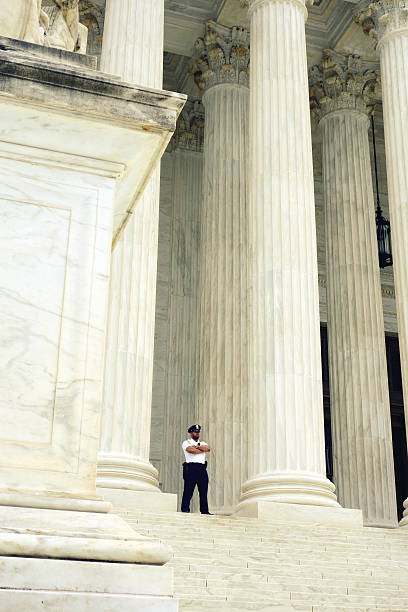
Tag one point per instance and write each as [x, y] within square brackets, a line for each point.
[210, 513]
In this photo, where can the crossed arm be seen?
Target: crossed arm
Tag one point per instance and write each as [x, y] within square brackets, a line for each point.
[196, 450]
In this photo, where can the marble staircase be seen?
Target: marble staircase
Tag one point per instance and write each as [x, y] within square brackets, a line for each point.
[236, 564]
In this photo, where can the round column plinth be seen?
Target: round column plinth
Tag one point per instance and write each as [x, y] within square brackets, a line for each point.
[290, 489]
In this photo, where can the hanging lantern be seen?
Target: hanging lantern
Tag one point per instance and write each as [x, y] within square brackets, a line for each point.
[383, 239]
[383, 225]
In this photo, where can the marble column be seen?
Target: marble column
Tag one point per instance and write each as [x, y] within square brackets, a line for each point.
[286, 428]
[180, 400]
[132, 49]
[222, 374]
[359, 401]
[388, 21]
[133, 41]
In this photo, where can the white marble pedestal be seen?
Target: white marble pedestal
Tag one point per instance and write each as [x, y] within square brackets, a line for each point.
[76, 149]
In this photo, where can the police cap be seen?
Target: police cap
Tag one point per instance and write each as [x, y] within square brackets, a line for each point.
[195, 428]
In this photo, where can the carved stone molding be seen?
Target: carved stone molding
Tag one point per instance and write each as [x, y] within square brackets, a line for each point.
[221, 56]
[341, 82]
[189, 134]
[383, 18]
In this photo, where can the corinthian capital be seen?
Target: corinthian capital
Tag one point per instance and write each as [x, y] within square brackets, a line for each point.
[221, 56]
[341, 82]
[382, 18]
[190, 127]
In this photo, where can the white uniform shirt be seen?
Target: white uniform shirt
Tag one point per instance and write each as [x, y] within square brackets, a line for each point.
[191, 457]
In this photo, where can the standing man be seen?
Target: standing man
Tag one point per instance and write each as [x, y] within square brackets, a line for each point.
[195, 470]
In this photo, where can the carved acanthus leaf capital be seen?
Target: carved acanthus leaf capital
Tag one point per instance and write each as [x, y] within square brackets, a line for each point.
[383, 17]
[222, 56]
[189, 133]
[341, 82]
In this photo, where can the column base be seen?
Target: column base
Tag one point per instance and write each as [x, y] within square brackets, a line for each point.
[300, 513]
[78, 586]
[290, 488]
[121, 472]
[147, 501]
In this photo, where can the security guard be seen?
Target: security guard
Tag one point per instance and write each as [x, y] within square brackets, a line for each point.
[195, 470]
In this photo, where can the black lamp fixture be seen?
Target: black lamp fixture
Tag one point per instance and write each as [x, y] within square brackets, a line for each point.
[383, 225]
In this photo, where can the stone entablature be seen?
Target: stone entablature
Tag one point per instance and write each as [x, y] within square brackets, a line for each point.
[341, 82]
[221, 56]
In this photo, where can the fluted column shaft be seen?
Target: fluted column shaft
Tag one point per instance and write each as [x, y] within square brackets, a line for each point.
[359, 402]
[393, 49]
[132, 49]
[222, 396]
[180, 400]
[286, 429]
[133, 41]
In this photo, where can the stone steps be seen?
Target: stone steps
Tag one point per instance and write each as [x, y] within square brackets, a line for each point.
[294, 592]
[278, 540]
[235, 564]
[282, 586]
[323, 584]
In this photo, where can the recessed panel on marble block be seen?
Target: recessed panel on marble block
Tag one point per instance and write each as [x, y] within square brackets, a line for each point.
[55, 243]
[33, 256]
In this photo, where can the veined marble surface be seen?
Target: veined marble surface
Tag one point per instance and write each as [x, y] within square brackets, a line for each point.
[31, 315]
[55, 253]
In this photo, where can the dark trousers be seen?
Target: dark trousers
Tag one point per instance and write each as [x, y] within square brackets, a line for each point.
[195, 474]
